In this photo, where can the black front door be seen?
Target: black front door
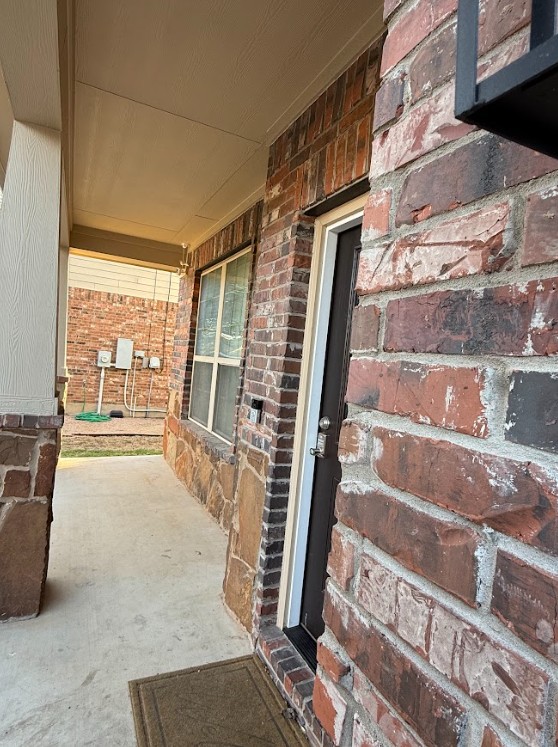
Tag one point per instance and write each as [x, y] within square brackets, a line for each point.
[327, 469]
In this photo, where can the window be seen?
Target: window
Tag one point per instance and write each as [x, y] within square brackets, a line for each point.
[218, 345]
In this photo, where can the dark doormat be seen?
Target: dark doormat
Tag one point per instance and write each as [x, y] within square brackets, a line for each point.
[228, 704]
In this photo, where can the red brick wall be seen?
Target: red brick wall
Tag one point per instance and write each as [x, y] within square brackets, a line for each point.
[444, 567]
[95, 321]
[442, 624]
[325, 150]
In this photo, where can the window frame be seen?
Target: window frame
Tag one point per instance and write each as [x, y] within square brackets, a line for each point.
[216, 360]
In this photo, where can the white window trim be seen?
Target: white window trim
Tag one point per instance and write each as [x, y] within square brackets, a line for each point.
[216, 360]
[324, 250]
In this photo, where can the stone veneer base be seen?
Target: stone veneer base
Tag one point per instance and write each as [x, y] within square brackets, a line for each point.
[29, 448]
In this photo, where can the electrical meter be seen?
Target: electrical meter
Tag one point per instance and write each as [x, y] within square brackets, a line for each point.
[104, 358]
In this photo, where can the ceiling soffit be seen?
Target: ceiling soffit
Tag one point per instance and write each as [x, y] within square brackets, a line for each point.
[177, 102]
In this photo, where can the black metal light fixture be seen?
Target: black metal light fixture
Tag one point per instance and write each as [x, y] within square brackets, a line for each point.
[520, 101]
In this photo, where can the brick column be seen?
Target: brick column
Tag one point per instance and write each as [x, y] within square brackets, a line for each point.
[325, 150]
[443, 588]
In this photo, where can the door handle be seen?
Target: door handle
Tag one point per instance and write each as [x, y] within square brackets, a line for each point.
[319, 450]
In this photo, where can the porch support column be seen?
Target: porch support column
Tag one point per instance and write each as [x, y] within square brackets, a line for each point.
[29, 283]
[29, 237]
[62, 371]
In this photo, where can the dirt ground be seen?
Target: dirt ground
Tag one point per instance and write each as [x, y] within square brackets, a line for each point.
[126, 435]
[109, 443]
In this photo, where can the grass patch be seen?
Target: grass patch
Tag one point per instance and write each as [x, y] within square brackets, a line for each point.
[79, 453]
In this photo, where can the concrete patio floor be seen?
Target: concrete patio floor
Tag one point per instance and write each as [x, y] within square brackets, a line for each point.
[134, 588]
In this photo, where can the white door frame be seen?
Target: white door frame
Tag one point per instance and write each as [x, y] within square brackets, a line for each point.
[326, 229]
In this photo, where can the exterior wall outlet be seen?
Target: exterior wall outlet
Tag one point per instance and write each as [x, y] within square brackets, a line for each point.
[255, 412]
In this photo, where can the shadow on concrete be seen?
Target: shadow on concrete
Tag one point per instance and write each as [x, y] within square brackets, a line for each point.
[53, 596]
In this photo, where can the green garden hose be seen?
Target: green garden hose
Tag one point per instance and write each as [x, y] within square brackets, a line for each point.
[92, 417]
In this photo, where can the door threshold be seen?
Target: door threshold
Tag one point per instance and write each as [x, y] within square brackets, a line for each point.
[306, 646]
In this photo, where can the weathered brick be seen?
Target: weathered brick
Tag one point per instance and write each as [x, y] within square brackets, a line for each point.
[483, 668]
[453, 398]
[394, 602]
[389, 101]
[428, 126]
[505, 320]
[375, 222]
[540, 243]
[376, 591]
[361, 737]
[490, 738]
[474, 170]
[510, 688]
[517, 498]
[500, 19]
[433, 713]
[17, 484]
[330, 707]
[412, 27]
[341, 559]
[296, 677]
[413, 616]
[438, 550]
[365, 327]
[434, 64]
[271, 638]
[470, 245]
[48, 422]
[390, 6]
[302, 694]
[532, 417]
[331, 663]
[393, 728]
[504, 56]
[10, 420]
[353, 443]
[524, 597]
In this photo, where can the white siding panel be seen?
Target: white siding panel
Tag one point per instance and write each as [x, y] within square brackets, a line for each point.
[128, 280]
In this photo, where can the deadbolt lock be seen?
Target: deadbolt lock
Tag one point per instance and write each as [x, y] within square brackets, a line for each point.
[324, 423]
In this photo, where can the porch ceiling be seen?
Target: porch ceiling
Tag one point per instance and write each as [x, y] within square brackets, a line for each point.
[177, 101]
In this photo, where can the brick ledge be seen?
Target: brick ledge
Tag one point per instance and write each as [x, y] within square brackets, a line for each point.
[293, 678]
[38, 422]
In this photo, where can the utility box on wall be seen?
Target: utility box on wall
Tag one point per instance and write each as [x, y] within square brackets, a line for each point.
[104, 358]
[124, 351]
